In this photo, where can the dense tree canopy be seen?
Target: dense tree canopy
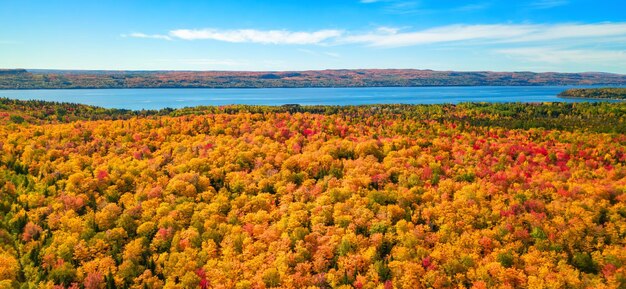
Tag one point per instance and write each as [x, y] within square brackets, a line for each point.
[466, 196]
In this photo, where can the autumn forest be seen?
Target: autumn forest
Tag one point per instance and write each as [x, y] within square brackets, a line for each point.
[391, 196]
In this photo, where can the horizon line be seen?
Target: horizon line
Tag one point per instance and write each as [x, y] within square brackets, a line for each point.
[302, 70]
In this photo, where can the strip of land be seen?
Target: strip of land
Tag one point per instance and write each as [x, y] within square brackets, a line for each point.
[68, 79]
[596, 93]
[590, 117]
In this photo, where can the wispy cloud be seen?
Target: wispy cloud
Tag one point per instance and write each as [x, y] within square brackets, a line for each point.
[550, 45]
[256, 36]
[547, 4]
[315, 53]
[387, 30]
[148, 36]
[553, 55]
[483, 34]
[452, 33]
[570, 31]
[473, 7]
[332, 54]
[423, 7]
[459, 34]
[308, 51]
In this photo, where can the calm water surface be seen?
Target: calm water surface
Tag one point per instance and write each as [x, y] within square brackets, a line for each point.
[185, 97]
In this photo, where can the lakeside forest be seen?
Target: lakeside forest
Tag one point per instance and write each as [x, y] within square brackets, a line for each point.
[59, 79]
[378, 196]
[596, 93]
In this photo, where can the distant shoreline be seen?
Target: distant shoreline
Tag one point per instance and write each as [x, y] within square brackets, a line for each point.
[370, 78]
[602, 93]
[591, 98]
[307, 87]
[323, 87]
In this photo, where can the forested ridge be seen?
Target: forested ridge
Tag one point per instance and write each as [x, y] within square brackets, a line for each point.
[56, 79]
[377, 196]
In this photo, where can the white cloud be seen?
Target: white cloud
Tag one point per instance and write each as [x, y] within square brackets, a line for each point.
[257, 36]
[391, 38]
[569, 31]
[514, 39]
[387, 30]
[421, 7]
[488, 34]
[148, 36]
[557, 55]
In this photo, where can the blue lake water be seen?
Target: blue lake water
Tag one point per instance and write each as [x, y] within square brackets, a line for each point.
[185, 97]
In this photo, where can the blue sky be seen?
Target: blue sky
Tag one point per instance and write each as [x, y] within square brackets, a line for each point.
[522, 35]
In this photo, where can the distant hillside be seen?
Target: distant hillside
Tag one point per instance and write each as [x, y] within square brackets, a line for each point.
[50, 79]
[601, 93]
[12, 71]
